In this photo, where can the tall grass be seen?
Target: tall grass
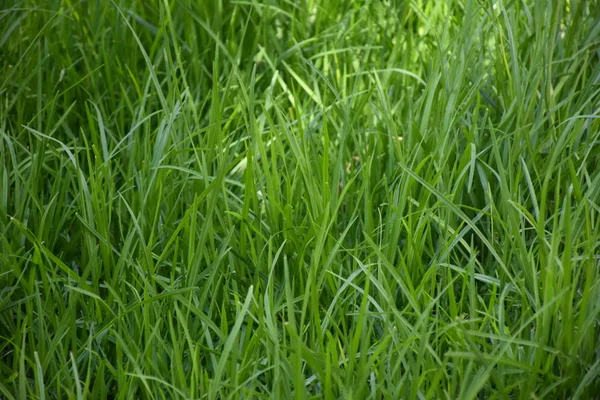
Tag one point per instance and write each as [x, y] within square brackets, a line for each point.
[332, 199]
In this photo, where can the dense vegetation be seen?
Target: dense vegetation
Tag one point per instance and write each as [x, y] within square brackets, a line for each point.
[338, 199]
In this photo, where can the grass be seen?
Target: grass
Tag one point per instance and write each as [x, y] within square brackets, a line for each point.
[281, 199]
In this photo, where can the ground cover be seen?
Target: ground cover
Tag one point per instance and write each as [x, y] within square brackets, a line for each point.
[324, 199]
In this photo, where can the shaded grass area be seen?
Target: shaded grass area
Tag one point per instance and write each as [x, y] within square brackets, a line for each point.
[333, 199]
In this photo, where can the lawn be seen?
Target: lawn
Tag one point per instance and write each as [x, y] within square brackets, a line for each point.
[333, 199]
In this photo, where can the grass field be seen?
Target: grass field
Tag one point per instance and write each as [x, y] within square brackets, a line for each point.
[299, 199]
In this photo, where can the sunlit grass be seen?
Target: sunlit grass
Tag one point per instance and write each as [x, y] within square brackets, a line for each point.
[334, 199]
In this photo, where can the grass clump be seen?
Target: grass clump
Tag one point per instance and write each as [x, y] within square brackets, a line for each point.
[335, 199]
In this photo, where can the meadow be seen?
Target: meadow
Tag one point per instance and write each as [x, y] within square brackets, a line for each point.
[334, 199]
